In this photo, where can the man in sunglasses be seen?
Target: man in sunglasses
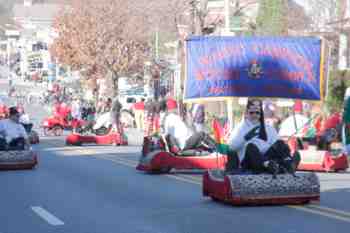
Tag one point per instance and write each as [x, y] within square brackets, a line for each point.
[258, 146]
[13, 133]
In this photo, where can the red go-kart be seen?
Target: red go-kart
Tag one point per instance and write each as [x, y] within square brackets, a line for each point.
[55, 125]
[261, 189]
[112, 137]
[313, 159]
[18, 159]
[157, 158]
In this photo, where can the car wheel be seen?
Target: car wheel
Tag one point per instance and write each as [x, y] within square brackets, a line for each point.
[47, 131]
[57, 130]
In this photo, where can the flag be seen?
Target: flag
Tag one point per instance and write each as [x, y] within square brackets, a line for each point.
[218, 132]
[219, 136]
[227, 131]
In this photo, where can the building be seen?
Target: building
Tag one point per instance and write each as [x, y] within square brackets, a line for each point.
[35, 19]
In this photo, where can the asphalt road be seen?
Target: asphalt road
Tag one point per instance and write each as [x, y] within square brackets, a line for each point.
[96, 189]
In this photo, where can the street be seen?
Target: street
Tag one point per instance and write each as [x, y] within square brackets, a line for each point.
[158, 66]
[96, 189]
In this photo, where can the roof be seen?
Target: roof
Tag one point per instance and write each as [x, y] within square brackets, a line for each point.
[41, 12]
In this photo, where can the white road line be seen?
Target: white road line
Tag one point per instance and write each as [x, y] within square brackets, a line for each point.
[48, 217]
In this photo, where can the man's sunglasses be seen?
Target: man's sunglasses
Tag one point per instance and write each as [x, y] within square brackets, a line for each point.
[254, 112]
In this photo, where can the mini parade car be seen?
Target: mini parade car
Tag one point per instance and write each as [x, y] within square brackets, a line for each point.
[321, 160]
[313, 159]
[157, 158]
[17, 159]
[261, 189]
[55, 125]
[112, 138]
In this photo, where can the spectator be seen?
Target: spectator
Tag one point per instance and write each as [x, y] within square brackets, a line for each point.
[76, 113]
[115, 110]
[139, 110]
[108, 105]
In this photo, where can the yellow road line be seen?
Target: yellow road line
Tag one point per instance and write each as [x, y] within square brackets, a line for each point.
[191, 177]
[183, 179]
[331, 210]
[318, 212]
[133, 164]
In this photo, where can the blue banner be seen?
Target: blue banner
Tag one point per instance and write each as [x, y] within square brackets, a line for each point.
[283, 67]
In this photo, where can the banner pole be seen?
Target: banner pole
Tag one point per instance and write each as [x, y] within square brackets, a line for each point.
[322, 66]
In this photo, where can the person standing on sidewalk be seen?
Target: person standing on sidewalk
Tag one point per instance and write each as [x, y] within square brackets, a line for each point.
[115, 115]
[139, 110]
[76, 113]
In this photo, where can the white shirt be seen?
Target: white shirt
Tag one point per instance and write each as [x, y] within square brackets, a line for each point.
[24, 119]
[176, 127]
[238, 143]
[13, 130]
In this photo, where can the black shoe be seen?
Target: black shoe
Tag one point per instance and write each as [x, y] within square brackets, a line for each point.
[287, 165]
[290, 164]
[273, 168]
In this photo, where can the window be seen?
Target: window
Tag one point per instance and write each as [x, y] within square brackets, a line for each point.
[130, 100]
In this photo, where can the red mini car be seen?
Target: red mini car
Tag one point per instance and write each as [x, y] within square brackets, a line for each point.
[18, 159]
[108, 139]
[55, 125]
[156, 158]
[261, 189]
[313, 159]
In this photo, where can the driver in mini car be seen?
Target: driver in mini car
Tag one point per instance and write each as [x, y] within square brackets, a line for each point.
[13, 133]
[258, 146]
[178, 134]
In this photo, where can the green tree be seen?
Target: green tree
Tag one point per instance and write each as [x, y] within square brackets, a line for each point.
[338, 82]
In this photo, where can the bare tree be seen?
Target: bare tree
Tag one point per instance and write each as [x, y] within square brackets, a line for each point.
[104, 37]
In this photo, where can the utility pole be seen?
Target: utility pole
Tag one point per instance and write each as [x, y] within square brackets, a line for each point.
[157, 44]
[227, 16]
[193, 4]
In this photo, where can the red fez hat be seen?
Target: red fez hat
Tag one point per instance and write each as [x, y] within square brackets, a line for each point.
[171, 104]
